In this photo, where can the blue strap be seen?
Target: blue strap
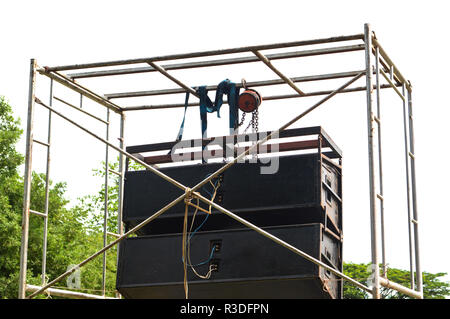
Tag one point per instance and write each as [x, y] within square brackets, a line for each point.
[180, 132]
[206, 105]
[232, 102]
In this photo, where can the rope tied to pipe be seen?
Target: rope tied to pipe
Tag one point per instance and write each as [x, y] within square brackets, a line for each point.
[187, 200]
[189, 195]
[48, 295]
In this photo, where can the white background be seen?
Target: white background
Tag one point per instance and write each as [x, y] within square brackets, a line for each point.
[413, 33]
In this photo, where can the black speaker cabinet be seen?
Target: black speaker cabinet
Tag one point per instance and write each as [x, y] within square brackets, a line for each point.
[306, 189]
[248, 265]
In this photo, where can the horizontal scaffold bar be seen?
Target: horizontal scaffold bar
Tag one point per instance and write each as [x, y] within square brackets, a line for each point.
[219, 62]
[66, 293]
[400, 288]
[264, 98]
[207, 53]
[309, 78]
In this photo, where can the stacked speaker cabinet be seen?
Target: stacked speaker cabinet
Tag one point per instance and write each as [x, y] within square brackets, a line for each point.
[300, 202]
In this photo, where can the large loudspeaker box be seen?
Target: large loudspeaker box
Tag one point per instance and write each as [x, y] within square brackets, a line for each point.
[305, 189]
[247, 265]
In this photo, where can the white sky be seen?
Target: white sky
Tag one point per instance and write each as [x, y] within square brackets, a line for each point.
[413, 34]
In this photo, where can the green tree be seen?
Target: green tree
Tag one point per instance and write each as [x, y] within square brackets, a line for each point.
[10, 133]
[70, 238]
[433, 287]
[10, 194]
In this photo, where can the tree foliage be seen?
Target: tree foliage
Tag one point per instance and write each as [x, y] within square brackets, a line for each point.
[10, 196]
[433, 286]
[10, 133]
[71, 236]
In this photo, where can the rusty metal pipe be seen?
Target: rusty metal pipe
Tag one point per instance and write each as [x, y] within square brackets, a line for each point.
[207, 53]
[27, 181]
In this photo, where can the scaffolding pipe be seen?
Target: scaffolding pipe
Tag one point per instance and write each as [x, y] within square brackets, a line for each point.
[414, 195]
[207, 53]
[408, 192]
[309, 78]
[121, 180]
[37, 213]
[106, 213]
[41, 143]
[27, 182]
[219, 62]
[66, 293]
[400, 288]
[265, 98]
[373, 217]
[47, 187]
[380, 164]
[173, 79]
[114, 172]
[288, 81]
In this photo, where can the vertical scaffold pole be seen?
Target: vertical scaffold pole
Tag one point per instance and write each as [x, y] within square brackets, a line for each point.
[105, 217]
[373, 217]
[380, 163]
[121, 183]
[27, 182]
[408, 190]
[47, 186]
[414, 195]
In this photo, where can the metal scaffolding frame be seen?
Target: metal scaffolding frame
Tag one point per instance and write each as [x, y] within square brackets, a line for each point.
[377, 63]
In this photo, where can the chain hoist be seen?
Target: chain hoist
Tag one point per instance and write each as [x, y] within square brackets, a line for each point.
[248, 102]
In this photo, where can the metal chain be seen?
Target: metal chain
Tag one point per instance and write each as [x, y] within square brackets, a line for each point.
[254, 122]
[242, 119]
[255, 127]
[248, 126]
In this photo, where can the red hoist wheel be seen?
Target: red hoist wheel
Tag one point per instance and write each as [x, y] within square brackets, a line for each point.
[249, 100]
